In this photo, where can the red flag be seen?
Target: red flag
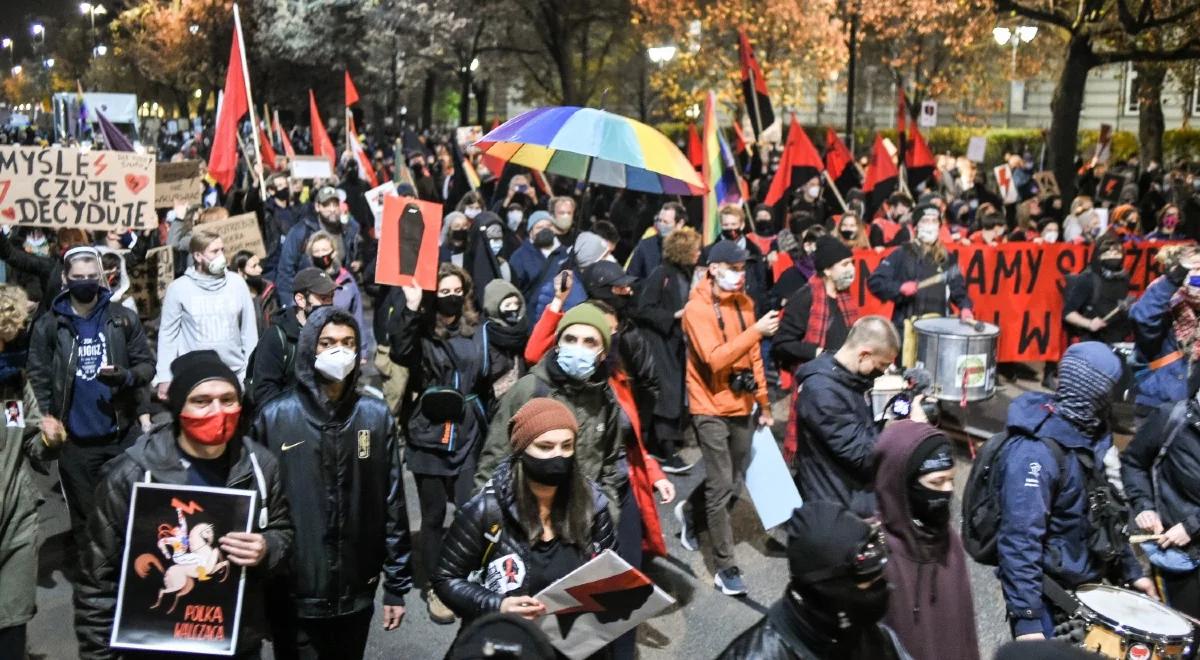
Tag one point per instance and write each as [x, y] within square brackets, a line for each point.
[351, 92]
[322, 145]
[919, 154]
[268, 152]
[222, 160]
[798, 152]
[739, 141]
[754, 87]
[882, 172]
[695, 150]
[284, 139]
[837, 156]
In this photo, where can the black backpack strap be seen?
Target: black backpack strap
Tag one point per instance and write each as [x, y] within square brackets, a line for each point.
[1176, 422]
[289, 350]
[493, 527]
[1060, 459]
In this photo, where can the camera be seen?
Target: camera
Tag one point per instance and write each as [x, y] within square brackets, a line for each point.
[917, 383]
[742, 382]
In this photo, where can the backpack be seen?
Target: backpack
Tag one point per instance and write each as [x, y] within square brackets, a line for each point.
[981, 497]
[289, 359]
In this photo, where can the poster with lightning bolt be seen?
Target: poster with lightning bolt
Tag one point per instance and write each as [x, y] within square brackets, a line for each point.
[1004, 181]
[70, 188]
[597, 603]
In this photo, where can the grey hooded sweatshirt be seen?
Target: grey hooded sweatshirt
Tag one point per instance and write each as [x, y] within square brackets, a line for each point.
[205, 312]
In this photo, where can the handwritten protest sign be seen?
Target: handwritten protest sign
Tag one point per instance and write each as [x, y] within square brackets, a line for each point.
[178, 590]
[238, 233]
[69, 188]
[177, 181]
[148, 282]
[311, 167]
[596, 603]
[408, 243]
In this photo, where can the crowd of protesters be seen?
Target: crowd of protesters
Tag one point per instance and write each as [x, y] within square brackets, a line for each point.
[580, 340]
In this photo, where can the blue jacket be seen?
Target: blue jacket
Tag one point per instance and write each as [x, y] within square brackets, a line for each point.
[527, 263]
[647, 256]
[292, 258]
[545, 296]
[91, 416]
[1043, 525]
[1154, 335]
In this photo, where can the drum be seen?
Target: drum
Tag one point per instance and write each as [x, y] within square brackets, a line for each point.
[1123, 624]
[958, 356]
[886, 387]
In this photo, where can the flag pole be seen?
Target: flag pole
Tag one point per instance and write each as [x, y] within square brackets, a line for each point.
[757, 114]
[836, 193]
[237, 26]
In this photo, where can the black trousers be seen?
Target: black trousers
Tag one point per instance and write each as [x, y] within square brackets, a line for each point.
[434, 494]
[12, 643]
[667, 437]
[333, 638]
[1183, 591]
[79, 472]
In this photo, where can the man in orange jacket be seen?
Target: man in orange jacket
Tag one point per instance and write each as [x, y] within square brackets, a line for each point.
[725, 378]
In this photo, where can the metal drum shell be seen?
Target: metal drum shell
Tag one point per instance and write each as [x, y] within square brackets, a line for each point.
[945, 346]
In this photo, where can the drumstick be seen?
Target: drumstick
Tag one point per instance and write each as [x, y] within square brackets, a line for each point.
[1142, 538]
[931, 280]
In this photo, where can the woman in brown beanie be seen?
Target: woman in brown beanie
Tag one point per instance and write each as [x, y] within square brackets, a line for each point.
[534, 522]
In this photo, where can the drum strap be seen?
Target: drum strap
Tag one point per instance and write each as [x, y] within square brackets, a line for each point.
[1058, 596]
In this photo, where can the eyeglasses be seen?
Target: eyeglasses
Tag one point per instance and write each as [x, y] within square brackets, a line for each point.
[865, 563]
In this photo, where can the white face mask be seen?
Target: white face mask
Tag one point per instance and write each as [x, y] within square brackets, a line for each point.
[927, 234]
[813, 191]
[496, 244]
[471, 212]
[336, 363]
[216, 267]
[514, 219]
[730, 280]
[1050, 237]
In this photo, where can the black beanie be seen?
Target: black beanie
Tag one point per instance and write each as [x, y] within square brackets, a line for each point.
[829, 251]
[191, 369]
[932, 455]
[822, 536]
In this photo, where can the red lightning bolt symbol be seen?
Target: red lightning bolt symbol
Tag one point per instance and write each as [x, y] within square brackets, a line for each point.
[4, 186]
[189, 508]
[584, 593]
[99, 163]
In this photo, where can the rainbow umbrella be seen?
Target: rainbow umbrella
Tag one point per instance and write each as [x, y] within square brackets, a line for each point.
[596, 147]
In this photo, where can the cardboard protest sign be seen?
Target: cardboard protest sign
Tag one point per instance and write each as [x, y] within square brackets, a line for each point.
[1109, 189]
[770, 484]
[1004, 181]
[1047, 184]
[375, 201]
[177, 181]
[977, 148]
[408, 243]
[148, 282]
[596, 603]
[69, 188]
[240, 232]
[178, 591]
[311, 167]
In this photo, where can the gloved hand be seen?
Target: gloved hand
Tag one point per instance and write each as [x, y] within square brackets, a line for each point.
[113, 375]
[966, 314]
[909, 289]
[1177, 274]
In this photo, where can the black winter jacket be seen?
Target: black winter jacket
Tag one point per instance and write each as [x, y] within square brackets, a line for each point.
[272, 374]
[836, 434]
[467, 548]
[907, 264]
[1171, 488]
[156, 457]
[341, 471]
[659, 297]
[52, 357]
[789, 632]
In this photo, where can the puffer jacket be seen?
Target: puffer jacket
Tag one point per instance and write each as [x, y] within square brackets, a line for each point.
[341, 471]
[20, 449]
[836, 433]
[467, 547]
[793, 630]
[52, 358]
[1154, 337]
[1170, 485]
[600, 446]
[156, 458]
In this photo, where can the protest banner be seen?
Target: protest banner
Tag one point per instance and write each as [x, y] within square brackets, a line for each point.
[178, 592]
[148, 282]
[1047, 184]
[179, 181]
[67, 188]
[977, 148]
[311, 167]
[1004, 181]
[768, 481]
[375, 201]
[596, 603]
[238, 233]
[408, 243]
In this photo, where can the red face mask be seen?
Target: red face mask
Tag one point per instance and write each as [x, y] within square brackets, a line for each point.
[215, 429]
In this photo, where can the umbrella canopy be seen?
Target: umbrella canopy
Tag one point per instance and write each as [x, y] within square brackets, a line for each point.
[594, 146]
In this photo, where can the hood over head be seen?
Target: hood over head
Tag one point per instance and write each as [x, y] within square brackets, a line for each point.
[495, 292]
[309, 381]
[893, 452]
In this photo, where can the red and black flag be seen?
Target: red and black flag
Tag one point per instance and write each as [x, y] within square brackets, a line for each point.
[799, 163]
[902, 119]
[882, 175]
[754, 88]
[839, 162]
[919, 163]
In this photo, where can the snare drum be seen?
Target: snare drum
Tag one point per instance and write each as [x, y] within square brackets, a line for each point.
[1123, 624]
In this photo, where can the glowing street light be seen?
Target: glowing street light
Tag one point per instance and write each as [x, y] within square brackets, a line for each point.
[474, 64]
[100, 50]
[16, 70]
[48, 62]
[661, 54]
[193, 28]
[1004, 36]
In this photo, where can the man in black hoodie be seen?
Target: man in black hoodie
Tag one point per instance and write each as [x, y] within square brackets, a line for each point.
[341, 472]
[274, 359]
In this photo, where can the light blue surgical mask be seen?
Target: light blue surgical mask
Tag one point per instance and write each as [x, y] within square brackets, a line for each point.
[577, 361]
[1194, 281]
[495, 245]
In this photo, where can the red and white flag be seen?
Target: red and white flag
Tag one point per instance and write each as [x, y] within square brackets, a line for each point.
[284, 140]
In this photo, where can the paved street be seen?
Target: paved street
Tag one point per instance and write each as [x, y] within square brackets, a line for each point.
[697, 627]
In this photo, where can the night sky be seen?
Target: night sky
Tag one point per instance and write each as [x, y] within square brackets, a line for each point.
[17, 15]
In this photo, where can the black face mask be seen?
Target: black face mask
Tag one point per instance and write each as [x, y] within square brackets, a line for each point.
[83, 291]
[548, 471]
[323, 262]
[930, 507]
[543, 239]
[283, 195]
[511, 316]
[731, 234]
[1112, 264]
[450, 305]
[255, 281]
[459, 236]
[861, 606]
[332, 226]
[764, 227]
[847, 234]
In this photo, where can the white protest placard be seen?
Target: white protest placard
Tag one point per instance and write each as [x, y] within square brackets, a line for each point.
[375, 201]
[1004, 181]
[977, 148]
[466, 136]
[238, 233]
[68, 188]
[177, 181]
[768, 481]
[311, 167]
[597, 603]
[929, 114]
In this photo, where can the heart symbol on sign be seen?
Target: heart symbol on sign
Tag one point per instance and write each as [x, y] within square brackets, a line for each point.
[135, 183]
[9, 213]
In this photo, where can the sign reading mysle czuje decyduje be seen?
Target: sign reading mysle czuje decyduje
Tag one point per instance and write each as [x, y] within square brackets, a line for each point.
[70, 188]
[178, 591]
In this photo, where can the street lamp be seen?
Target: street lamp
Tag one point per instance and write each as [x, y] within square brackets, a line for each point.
[48, 62]
[8, 43]
[193, 28]
[474, 65]
[39, 32]
[661, 54]
[16, 70]
[1022, 34]
[100, 51]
